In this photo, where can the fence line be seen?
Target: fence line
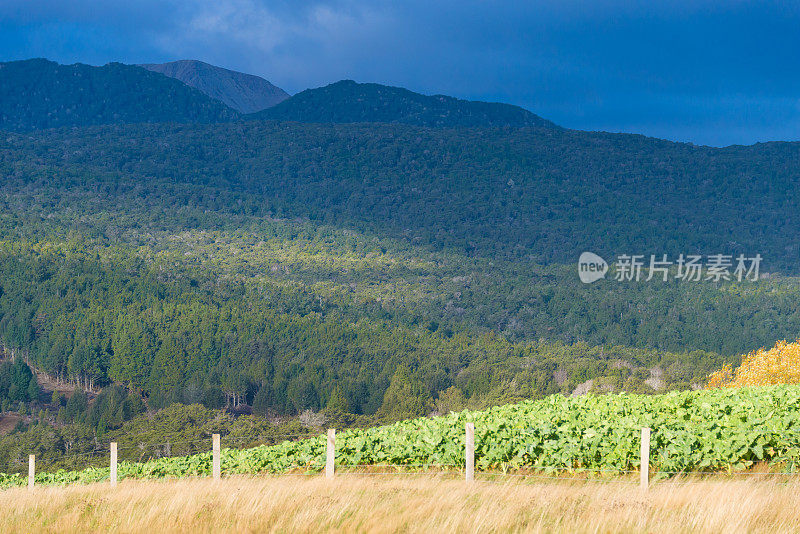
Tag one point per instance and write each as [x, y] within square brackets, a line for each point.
[331, 468]
[103, 451]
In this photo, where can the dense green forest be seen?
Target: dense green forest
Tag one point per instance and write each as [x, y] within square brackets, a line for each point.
[178, 333]
[177, 261]
[542, 195]
[367, 272]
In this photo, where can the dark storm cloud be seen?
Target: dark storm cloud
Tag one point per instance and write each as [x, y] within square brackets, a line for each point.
[708, 72]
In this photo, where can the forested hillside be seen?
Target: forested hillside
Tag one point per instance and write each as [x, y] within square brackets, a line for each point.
[371, 271]
[38, 93]
[273, 263]
[347, 101]
[519, 194]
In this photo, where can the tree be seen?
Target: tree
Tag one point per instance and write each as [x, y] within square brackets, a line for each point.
[261, 401]
[76, 405]
[166, 375]
[405, 398]
[302, 394]
[21, 378]
[33, 388]
[337, 403]
[778, 365]
[450, 400]
[133, 347]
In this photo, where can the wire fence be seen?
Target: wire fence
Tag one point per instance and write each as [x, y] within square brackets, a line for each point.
[142, 452]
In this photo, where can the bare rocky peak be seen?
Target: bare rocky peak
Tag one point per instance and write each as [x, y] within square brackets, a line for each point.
[245, 93]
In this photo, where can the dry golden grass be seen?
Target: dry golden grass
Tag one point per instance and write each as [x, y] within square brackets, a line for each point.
[404, 504]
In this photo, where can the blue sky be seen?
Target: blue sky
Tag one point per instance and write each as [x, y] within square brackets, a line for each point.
[717, 73]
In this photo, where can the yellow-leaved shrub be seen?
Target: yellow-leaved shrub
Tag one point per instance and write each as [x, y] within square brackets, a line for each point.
[778, 365]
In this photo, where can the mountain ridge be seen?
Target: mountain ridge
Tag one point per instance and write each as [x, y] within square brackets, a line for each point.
[347, 101]
[39, 93]
[246, 93]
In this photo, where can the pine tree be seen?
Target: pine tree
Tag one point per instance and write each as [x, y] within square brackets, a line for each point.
[405, 398]
[166, 374]
[33, 388]
[337, 403]
[76, 405]
[261, 401]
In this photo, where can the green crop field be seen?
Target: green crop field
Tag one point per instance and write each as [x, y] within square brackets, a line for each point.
[701, 431]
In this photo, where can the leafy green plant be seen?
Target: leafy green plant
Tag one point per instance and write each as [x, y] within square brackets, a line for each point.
[699, 431]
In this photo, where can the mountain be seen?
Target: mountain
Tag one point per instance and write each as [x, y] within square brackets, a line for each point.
[243, 92]
[295, 266]
[347, 101]
[38, 93]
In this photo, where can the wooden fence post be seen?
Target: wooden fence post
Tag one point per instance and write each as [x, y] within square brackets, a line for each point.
[470, 452]
[113, 473]
[330, 453]
[216, 465]
[31, 470]
[644, 468]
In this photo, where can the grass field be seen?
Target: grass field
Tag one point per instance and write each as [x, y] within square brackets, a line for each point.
[406, 504]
